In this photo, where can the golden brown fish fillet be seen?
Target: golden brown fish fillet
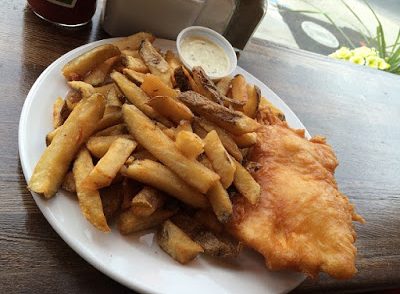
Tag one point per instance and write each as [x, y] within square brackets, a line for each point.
[302, 221]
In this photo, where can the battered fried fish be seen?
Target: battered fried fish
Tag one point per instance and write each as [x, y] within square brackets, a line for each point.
[302, 221]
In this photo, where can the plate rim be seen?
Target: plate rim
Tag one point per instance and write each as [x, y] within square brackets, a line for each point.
[136, 285]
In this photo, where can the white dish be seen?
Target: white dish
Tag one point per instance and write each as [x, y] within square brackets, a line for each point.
[136, 261]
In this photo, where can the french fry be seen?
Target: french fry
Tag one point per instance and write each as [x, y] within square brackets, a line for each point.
[246, 184]
[181, 79]
[217, 245]
[171, 108]
[134, 76]
[110, 119]
[159, 176]
[68, 183]
[254, 95]
[239, 88]
[57, 157]
[98, 75]
[136, 96]
[79, 66]
[209, 220]
[164, 149]
[189, 144]
[153, 86]
[50, 136]
[184, 125]
[85, 89]
[98, 146]
[119, 129]
[233, 121]
[59, 112]
[135, 64]
[147, 201]
[129, 190]
[245, 140]
[72, 99]
[129, 222]
[113, 101]
[109, 165]
[199, 130]
[130, 52]
[133, 42]
[225, 138]
[224, 85]
[89, 200]
[103, 90]
[143, 154]
[218, 197]
[177, 244]
[220, 159]
[155, 62]
[172, 60]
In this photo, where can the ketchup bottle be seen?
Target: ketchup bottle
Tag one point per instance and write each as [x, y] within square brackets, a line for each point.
[70, 13]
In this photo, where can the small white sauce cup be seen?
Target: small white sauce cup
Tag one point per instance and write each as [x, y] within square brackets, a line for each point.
[213, 36]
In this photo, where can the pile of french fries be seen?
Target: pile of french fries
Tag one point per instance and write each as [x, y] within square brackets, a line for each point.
[142, 140]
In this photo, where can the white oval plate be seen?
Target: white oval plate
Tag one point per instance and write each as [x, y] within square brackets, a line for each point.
[136, 261]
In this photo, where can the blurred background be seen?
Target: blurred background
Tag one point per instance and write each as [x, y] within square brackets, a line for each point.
[287, 23]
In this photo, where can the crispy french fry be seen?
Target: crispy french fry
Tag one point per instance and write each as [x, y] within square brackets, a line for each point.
[130, 52]
[199, 130]
[171, 108]
[177, 244]
[245, 140]
[233, 121]
[153, 86]
[182, 79]
[136, 96]
[85, 89]
[159, 176]
[155, 62]
[50, 136]
[170, 133]
[239, 88]
[147, 201]
[52, 166]
[254, 95]
[103, 90]
[220, 159]
[217, 245]
[68, 183]
[184, 125]
[135, 64]
[72, 99]
[225, 138]
[224, 85]
[119, 129]
[111, 198]
[129, 190]
[98, 75]
[130, 223]
[218, 197]
[133, 42]
[58, 107]
[164, 149]
[98, 146]
[89, 200]
[173, 60]
[134, 76]
[113, 102]
[111, 118]
[189, 144]
[246, 184]
[79, 66]
[109, 165]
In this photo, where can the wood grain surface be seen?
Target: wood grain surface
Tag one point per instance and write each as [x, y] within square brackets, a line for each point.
[358, 109]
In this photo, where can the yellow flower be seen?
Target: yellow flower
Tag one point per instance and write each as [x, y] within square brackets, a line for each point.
[364, 51]
[373, 61]
[342, 53]
[382, 64]
[357, 59]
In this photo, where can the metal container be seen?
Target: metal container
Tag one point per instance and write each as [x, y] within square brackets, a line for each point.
[235, 19]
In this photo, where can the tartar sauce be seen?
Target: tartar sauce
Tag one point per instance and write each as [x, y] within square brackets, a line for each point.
[198, 51]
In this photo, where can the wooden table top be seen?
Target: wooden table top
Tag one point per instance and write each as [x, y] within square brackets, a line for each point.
[358, 109]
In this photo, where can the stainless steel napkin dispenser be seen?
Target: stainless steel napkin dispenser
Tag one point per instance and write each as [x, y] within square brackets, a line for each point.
[235, 19]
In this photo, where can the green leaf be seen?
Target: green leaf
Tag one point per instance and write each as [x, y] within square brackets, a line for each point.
[381, 35]
[361, 22]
